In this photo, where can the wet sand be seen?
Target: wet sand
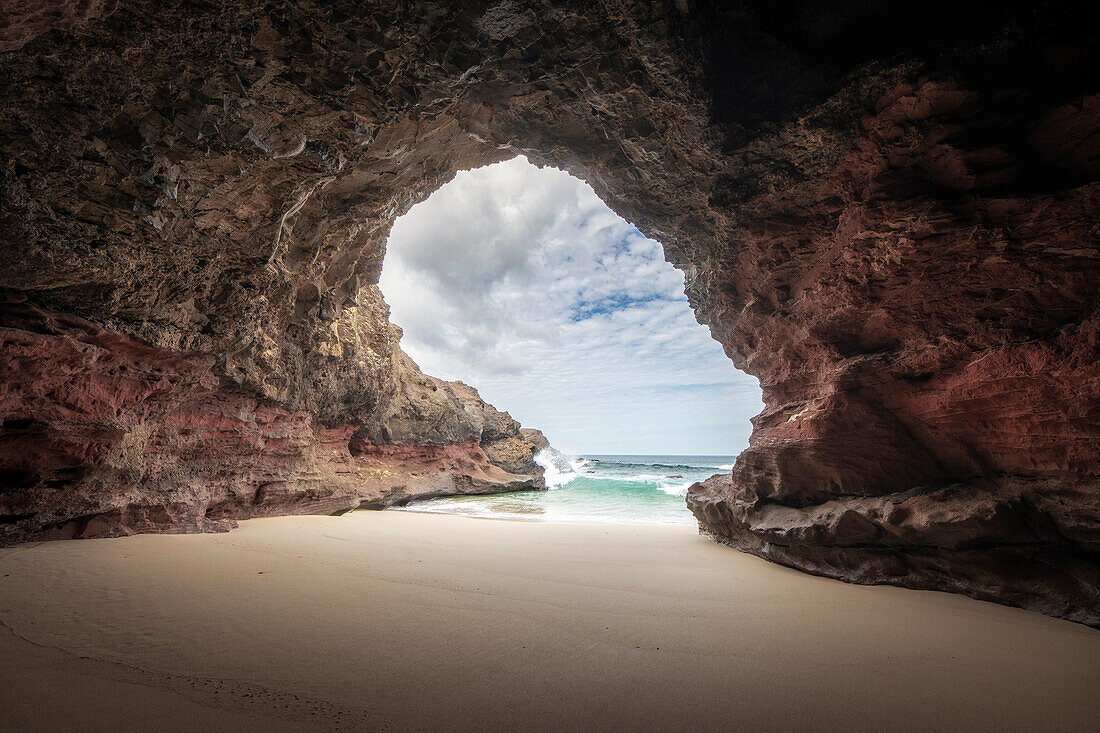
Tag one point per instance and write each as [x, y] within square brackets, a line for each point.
[405, 621]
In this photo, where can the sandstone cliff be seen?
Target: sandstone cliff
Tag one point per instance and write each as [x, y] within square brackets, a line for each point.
[103, 435]
[887, 215]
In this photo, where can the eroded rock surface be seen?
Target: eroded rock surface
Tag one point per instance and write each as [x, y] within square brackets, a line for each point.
[21, 21]
[886, 215]
[103, 436]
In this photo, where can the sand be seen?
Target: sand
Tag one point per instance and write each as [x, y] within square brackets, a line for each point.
[405, 621]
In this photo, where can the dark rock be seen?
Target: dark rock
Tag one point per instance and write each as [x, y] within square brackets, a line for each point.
[22, 21]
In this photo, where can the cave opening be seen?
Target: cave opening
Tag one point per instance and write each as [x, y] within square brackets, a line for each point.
[522, 282]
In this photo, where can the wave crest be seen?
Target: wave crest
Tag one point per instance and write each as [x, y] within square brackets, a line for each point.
[558, 469]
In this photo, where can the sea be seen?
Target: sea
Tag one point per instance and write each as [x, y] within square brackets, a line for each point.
[630, 489]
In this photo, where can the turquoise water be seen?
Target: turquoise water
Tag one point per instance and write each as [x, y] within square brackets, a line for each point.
[597, 488]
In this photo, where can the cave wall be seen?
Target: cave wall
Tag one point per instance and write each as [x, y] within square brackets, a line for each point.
[886, 215]
[103, 435]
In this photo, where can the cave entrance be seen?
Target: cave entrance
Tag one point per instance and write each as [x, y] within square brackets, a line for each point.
[520, 281]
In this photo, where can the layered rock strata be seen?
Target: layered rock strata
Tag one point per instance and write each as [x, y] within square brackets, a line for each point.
[888, 216]
[104, 436]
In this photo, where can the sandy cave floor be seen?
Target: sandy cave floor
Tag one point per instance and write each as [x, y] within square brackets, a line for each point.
[403, 621]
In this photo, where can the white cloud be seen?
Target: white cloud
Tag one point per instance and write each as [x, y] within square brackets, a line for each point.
[520, 281]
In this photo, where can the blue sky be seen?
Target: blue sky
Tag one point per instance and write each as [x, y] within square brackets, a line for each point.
[522, 282]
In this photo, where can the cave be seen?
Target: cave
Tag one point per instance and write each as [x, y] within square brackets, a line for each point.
[887, 216]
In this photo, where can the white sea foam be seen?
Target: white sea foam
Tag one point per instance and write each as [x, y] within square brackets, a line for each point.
[644, 478]
[642, 489]
[677, 489]
[559, 469]
[726, 467]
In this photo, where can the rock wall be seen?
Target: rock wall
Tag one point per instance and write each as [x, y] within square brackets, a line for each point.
[103, 436]
[887, 215]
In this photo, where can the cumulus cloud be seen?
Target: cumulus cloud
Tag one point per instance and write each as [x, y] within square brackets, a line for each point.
[522, 282]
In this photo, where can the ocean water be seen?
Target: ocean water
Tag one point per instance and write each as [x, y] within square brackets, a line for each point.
[596, 488]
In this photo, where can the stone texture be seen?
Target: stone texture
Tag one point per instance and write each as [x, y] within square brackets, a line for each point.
[20, 20]
[104, 436]
[517, 453]
[886, 215]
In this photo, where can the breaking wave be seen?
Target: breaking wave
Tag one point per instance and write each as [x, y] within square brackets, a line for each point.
[625, 489]
[558, 468]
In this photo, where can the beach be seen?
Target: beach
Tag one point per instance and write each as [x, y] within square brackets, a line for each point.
[595, 488]
[414, 621]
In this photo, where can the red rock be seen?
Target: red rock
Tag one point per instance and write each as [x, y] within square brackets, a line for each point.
[103, 436]
[931, 373]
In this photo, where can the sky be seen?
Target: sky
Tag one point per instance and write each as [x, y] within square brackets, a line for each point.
[521, 282]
